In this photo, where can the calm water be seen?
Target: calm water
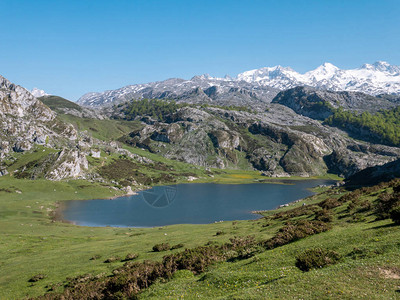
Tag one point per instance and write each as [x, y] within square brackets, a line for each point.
[187, 203]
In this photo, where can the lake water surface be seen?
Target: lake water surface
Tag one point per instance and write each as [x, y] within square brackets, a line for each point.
[197, 203]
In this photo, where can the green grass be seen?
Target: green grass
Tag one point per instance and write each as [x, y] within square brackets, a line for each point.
[32, 244]
[24, 158]
[102, 129]
[56, 103]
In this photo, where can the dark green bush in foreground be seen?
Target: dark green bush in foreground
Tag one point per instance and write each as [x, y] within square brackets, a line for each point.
[395, 214]
[316, 258]
[161, 247]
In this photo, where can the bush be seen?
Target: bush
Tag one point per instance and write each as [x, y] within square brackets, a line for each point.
[324, 215]
[111, 259]
[177, 246]
[389, 205]
[37, 277]
[295, 231]
[131, 256]
[316, 258]
[395, 214]
[161, 247]
[329, 203]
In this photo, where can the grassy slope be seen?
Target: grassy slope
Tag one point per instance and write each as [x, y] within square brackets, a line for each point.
[57, 103]
[33, 244]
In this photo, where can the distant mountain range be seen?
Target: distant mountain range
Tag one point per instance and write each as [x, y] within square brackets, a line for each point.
[257, 87]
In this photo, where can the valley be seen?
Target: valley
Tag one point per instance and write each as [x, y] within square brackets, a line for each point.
[239, 132]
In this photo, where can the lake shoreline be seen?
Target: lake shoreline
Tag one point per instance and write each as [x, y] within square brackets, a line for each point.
[244, 202]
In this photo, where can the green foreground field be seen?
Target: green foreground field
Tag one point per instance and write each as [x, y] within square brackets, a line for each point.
[31, 244]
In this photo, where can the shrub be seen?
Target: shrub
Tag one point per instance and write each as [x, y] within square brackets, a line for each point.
[395, 214]
[329, 203]
[324, 215]
[177, 246]
[295, 231]
[161, 247]
[37, 277]
[131, 256]
[316, 258]
[111, 259]
[388, 205]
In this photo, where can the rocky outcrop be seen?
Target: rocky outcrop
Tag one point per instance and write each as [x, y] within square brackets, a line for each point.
[26, 122]
[318, 104]
[374, 175]
[69, 164]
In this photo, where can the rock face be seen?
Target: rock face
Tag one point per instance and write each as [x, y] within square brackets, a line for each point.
[374, 175]
[22, 119]
[69, 163]
[25, 122]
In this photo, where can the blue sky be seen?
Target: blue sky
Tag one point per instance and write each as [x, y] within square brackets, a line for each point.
[72, 47]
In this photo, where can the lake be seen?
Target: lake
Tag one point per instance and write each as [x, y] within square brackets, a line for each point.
[197, 203]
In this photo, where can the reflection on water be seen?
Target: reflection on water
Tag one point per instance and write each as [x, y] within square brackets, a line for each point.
[187, 204]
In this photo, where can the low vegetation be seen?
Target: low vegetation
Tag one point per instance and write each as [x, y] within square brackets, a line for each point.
[316, 258]
[382, 127]
[155, 108]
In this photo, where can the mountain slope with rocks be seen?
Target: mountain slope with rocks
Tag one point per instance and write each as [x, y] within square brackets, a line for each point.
[284, 138]
[278, 142]
[256, 87]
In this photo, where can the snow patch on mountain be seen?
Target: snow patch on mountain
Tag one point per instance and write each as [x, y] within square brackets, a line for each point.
[257, 86]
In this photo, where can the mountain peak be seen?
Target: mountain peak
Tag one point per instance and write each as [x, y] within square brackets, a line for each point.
[329, 66]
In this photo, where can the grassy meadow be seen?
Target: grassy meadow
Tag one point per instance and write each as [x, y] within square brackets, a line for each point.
[32, 244]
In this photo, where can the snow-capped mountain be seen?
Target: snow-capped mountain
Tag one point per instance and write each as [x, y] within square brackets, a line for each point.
[199, 89]
[375, 79]
[256, 87]
[38, 93]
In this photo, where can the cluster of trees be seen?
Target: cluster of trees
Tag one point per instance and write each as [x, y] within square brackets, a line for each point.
[382, 127]
[158, 109]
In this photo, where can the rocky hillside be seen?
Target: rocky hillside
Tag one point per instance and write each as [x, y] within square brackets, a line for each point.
[318, 104]
[375, 174]
[199, 89]
[26, 123]
[278, 142]
[284, 138]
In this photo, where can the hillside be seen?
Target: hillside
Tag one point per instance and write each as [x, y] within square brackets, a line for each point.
[333, 245]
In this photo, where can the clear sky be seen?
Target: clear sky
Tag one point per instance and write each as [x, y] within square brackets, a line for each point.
[72, 47]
